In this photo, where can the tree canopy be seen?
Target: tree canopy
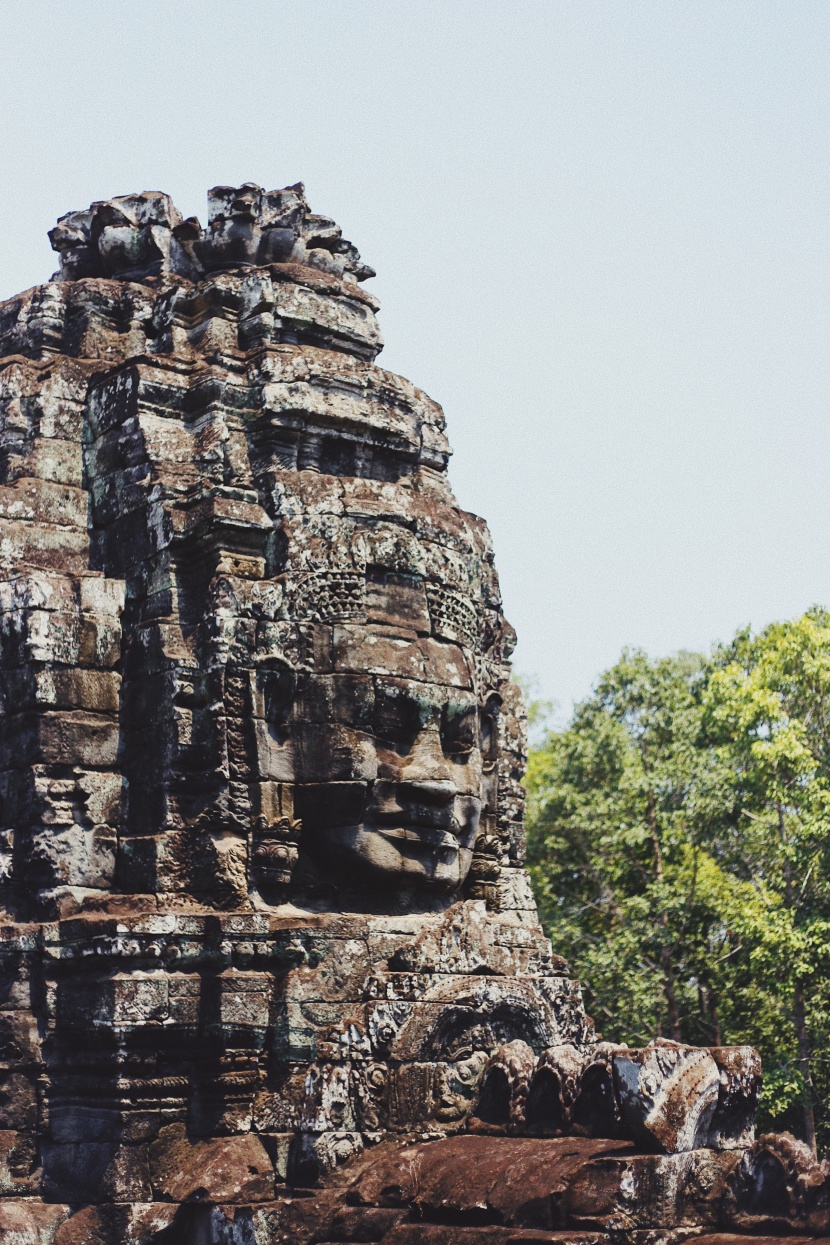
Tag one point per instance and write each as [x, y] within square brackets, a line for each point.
[679, 842]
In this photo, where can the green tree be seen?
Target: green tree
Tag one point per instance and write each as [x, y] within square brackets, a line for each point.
[679, 831]
[767, 721]
[621, 886]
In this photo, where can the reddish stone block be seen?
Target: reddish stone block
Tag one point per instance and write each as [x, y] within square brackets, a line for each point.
[224, 1169]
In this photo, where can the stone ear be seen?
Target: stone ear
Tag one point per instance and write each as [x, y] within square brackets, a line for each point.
[490, 712]
[277, 683]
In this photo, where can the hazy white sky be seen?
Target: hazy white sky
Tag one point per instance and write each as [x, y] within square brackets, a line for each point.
[602, 233]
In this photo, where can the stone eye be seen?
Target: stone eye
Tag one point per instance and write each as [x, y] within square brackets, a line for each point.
[396, 721]
[459, 731]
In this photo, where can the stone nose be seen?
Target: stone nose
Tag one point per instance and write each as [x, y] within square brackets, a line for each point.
[425, 763]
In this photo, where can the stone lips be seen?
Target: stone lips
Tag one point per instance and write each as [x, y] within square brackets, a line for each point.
[261, 852]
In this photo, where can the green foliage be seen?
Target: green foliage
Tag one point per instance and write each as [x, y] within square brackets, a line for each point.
[679, 841]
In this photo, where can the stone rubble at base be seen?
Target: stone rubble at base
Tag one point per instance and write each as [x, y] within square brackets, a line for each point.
[270, 966]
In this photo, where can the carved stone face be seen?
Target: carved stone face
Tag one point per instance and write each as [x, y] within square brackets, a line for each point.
[388, 760]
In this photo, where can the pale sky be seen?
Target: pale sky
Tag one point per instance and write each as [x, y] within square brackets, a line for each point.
[602, 233]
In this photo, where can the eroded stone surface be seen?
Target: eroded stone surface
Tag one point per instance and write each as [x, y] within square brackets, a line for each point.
[261, 853]
[655, 1085]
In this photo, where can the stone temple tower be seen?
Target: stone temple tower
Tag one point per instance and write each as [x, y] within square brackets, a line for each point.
[270, 966]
